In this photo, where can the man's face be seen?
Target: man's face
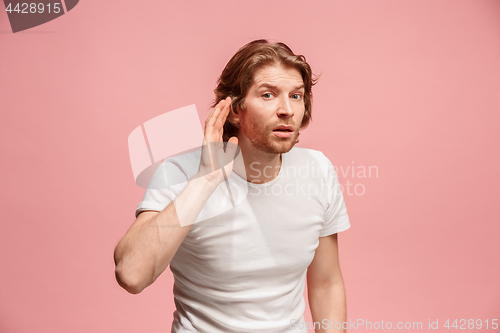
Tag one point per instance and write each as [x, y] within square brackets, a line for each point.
[275, 98]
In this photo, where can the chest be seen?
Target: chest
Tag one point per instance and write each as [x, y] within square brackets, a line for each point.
[263, 237]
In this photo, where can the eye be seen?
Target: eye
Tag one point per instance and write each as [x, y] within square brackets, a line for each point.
[266, 94]
[297, 96]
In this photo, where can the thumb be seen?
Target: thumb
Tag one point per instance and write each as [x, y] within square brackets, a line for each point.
[232, 147]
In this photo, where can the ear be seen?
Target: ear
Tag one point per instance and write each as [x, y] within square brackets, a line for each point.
[234, 117]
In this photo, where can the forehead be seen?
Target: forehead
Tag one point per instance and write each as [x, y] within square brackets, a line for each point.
[277, 75]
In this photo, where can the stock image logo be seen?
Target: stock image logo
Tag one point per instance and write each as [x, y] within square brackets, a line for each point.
[29, 14]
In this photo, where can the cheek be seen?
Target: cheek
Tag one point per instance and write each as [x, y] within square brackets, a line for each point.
[300, 111]
[257, 124]
[260, 115]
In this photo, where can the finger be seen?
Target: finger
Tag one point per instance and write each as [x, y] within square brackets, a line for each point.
[215, 112]
[214, 126]
[228, 109]
[209, 123]
[232, 147]
[215, 107]
[222, 116]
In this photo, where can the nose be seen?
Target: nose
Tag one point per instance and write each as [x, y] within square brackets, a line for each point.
[285, 108]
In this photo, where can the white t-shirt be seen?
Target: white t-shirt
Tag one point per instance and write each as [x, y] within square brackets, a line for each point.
[243, 268]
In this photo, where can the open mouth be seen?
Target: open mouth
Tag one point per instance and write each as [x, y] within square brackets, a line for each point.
[283, 132]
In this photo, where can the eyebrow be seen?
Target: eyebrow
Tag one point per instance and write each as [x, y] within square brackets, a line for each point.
[272, 86]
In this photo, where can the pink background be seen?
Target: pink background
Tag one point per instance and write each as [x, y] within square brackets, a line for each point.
[411, 87]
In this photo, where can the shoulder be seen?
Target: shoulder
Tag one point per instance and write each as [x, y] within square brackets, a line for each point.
[186, 163]
[186, 158]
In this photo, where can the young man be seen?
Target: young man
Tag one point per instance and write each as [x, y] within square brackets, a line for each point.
[242, 267]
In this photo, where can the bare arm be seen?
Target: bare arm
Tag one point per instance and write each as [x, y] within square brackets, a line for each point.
[325, 287]
[153, 239]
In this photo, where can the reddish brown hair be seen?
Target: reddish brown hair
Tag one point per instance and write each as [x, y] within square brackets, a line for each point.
[237, 77]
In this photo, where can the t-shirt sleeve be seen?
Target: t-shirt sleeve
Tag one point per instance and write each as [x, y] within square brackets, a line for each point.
[336, 218]
[166, 184]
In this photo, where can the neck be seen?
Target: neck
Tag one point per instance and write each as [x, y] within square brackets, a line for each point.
[256, 166]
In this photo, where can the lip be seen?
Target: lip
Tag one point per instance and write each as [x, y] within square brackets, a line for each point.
[283, 134]
[284, 127]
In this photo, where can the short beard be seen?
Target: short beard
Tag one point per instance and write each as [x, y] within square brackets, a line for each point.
[271, 148]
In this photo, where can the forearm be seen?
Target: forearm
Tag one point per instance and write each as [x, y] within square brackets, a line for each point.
[147, 249]
[328, 307]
